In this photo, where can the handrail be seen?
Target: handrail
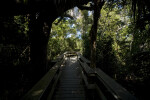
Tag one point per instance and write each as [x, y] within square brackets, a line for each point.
[106, 87]
[70, 53]
[118, 92]
[40, 88]
[83, 58]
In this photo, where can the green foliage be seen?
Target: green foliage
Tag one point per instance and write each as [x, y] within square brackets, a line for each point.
[106, 58]
[141, 65]
[84, 23]
[86, 46]
[141, 13]
[63, 38]
[14, 55]
[14, 40]
[118, 41]
[123, 46]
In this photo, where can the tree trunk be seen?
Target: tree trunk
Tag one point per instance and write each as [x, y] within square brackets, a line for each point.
[39, 36]
[93, 33]
[93, 47]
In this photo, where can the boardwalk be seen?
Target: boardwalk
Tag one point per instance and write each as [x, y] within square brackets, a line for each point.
[64, 81]
[70, 86]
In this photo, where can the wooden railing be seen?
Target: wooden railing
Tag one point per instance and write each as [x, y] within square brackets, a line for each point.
[94, 79]
[44, 88]
[106, 87]
[70, 53]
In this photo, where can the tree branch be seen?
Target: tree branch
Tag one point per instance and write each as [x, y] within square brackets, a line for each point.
[64, 15]
[69, 16]
[86, 8]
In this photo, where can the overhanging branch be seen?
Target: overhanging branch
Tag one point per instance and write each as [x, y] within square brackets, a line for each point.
[86, 8]
[69, 16]
[65, 15]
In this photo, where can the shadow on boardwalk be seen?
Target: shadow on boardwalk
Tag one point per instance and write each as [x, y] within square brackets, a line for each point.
[70, 85]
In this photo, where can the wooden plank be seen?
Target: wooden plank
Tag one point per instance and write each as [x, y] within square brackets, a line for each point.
[83, 58]
[87, 72]
[53, 87]
[70, 84]
[54, 61]
[85, 79]
[71, 99]
[70, 89]
[62, 96]
[70, 53]
[100, 93]
[113, 87]
[60, 57]
[70, 92]
[86, 68]
[40, 87]
[88, 86]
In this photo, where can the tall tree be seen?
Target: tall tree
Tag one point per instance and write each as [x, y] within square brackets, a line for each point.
[98, 4]
[39, 28]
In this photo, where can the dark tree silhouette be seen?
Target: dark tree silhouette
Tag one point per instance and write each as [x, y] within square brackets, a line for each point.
[42, 13]
[98, 4]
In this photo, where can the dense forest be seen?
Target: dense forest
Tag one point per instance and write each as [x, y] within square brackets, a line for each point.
[122, 44]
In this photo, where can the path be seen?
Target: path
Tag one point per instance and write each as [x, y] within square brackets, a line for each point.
[70, 86]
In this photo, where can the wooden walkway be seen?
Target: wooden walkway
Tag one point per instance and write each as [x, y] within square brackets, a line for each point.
[70, 85]
[72, 79]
